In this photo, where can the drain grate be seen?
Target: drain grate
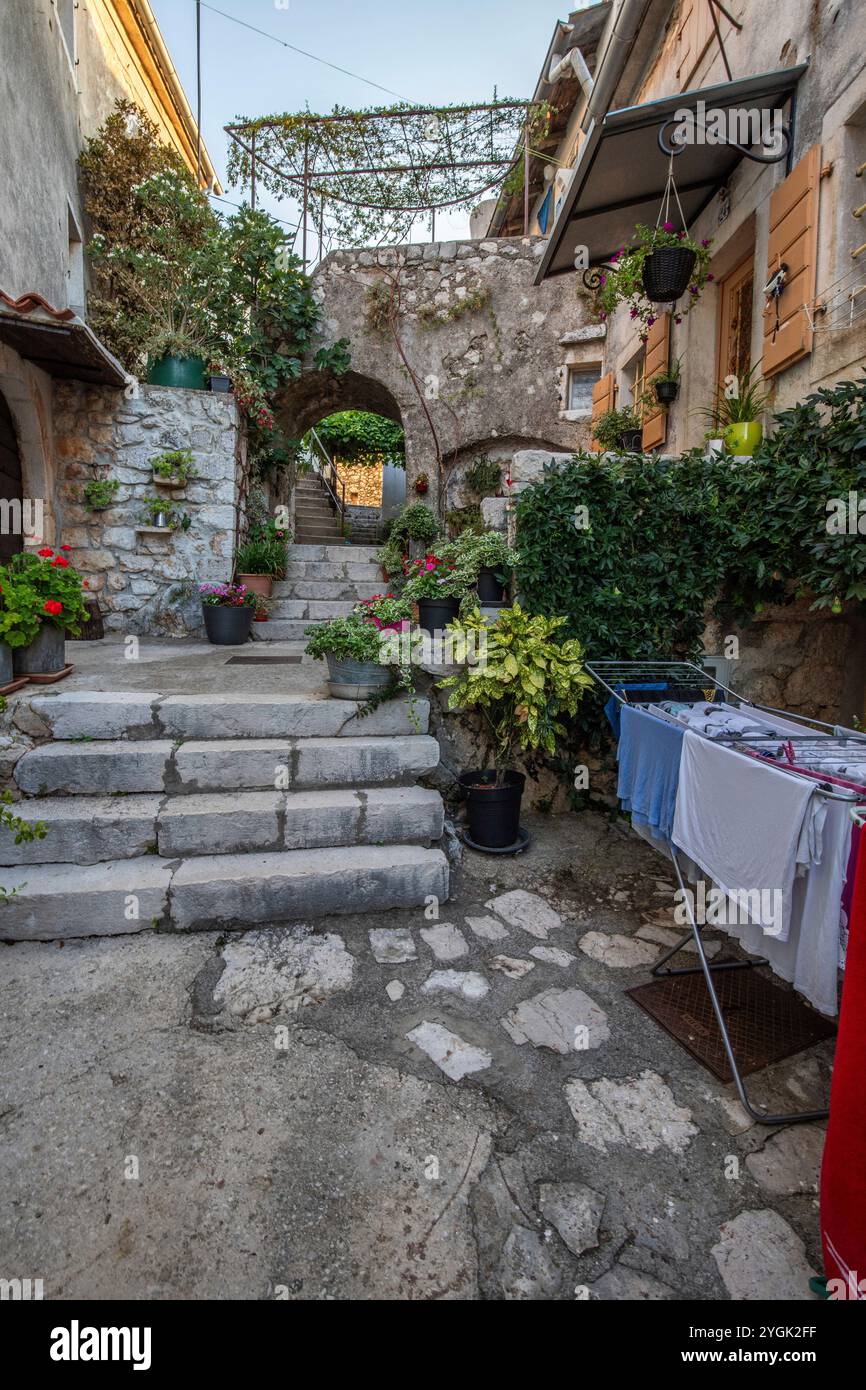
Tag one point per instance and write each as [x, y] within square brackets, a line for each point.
[766, 1024]
[263, 661]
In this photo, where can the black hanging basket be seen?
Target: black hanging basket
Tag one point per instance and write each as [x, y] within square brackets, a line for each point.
[667, 273]
[666, 392]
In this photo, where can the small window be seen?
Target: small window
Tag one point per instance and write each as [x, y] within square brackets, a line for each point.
[580, 383]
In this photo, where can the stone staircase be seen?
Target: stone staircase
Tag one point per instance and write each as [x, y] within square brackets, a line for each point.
[315, 521]
[322, 581]
[204, 811]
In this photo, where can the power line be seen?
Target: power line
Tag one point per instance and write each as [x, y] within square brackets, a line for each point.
[316, 59]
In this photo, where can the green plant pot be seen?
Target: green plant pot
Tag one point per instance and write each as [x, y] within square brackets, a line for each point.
[187, 372]
[744, 438]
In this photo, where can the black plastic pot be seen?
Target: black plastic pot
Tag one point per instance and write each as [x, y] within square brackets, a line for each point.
[489, 585]
[667, 273]
[220, 383]
[667, 392]
[434, 614]
[632, 441]
[494, 812]
[226, 626]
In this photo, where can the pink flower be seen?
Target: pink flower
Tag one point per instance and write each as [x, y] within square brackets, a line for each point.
[667, 226]
[705, 242]
[632, 313]
[711, 277]
[650, 321]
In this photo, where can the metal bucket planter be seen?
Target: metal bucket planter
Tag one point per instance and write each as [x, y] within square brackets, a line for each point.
[7, 668]
[227, 626]
[186, 372]
[667, 273]
[257, 583]
[356, 680]
[45, 655]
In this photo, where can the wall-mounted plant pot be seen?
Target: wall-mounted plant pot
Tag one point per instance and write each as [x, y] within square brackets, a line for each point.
[257, 583]
[667, 273]
[489, 585]
[744, 438]
[169, 482]
[357, 680]
[43, 656]
[434, 614]
[220, 383]
[421, 488]
[493, 812]
[667, 392]
[186, 372]
[631, 441]
[226, 626]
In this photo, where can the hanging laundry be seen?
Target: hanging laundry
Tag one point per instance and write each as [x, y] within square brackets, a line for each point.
[649, 763]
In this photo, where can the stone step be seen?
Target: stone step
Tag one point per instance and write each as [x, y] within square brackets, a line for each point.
[314, 610]
[121, 766]
[281, 630]
[361, 554]
[209, 892]
[87, 830]
[310, 570]
[345, 590]
[137, 715]
[308, 534]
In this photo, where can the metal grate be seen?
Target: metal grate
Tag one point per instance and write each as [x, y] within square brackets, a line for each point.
[263, 661]
[766, 1024]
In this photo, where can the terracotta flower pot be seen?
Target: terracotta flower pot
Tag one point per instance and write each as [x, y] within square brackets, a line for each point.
[257, 583]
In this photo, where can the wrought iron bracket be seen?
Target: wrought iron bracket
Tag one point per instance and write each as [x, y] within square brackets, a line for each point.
[782, 133]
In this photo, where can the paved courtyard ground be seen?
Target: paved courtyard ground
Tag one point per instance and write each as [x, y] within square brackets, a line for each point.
[393, 1106]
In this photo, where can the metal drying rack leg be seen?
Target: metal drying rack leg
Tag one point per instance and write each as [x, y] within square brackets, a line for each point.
[800, 1117]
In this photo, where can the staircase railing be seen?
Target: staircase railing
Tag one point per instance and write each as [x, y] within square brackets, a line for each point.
[326, 470]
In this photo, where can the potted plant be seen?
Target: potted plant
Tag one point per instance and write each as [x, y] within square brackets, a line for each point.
[619, 430]
[173, 468]
[99, 493]
[415, 525]
[353, 648]
[660, 265]
[228, 613]
[735, 416]
[390, 559]
[42, 599]
[666, 384]
[527, 683]
[163, 517]
[258, 562]
[487, 561]
[219, 379]
[422, 484]
[437, 586]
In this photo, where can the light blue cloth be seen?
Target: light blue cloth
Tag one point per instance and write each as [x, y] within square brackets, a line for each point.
[613, 706]
[649, 755]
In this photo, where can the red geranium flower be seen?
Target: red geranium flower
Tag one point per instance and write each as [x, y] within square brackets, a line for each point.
[66, 547]
[60, 562]
[46, 551]
[53, 607]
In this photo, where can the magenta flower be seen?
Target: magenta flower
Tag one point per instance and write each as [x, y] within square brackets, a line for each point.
[633, 313]
[711, 277]
[705, 242]
[650, 321]
[667, 226]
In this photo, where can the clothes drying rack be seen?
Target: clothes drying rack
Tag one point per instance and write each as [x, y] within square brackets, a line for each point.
[618, 678]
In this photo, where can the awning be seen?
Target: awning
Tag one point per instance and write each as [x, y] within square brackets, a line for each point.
[620, 176]
[57, 341]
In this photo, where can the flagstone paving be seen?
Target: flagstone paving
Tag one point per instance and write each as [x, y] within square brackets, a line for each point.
[403, 1110]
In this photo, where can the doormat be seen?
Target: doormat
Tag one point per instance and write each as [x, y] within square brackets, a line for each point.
[263, 661]
[765, 1024]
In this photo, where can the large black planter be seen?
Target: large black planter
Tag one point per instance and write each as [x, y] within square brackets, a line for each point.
[489, 585]
[666, 392]
[227, 626]
[434, 614]
[45, 655]
[667, 273]
[494, 812]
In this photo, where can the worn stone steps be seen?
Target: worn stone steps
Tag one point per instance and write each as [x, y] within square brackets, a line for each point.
[314, 610]
[281, 630]
[97, 714]
[86, 830]
[321, 589]
[209, 892]
[359, 554]
[112, 767]
[347, 571]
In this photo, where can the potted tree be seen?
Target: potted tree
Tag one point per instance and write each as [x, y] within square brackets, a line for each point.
[619, 431]
[437, 586]
[42, 600]
[359, 665]
[735, 413]
[228, 611]
[527, 683]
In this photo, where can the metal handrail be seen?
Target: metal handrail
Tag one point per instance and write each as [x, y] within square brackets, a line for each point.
[333, 484]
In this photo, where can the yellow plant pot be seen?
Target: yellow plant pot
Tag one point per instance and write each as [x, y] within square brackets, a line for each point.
[744, 438]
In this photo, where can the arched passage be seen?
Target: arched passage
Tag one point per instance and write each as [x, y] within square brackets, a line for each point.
[11, 485]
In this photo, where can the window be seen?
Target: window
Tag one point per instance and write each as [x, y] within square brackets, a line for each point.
[736, 293]
[66, 19]
[636, 372]
[580, 383]
[75, 292]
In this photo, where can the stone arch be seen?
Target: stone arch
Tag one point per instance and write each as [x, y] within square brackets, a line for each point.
[316, 394]
[28, 398]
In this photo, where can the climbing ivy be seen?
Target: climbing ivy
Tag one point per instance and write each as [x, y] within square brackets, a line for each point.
[357, 436]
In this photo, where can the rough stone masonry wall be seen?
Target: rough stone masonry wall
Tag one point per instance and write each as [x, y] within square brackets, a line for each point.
[147, 583]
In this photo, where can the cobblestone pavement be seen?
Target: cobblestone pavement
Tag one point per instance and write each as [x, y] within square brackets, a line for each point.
[453, 1103]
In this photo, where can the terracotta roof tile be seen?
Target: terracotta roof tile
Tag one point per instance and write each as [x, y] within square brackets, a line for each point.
[26, 303]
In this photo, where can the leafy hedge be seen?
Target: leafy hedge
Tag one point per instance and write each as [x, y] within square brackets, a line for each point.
[356, 436]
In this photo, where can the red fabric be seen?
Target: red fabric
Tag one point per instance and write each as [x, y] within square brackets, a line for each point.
[843, 1173]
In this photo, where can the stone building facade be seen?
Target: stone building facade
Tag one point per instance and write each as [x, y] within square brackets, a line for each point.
[146, 581]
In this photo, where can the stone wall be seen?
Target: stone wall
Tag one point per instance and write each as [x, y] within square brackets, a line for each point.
[147, 582]
[363, 482]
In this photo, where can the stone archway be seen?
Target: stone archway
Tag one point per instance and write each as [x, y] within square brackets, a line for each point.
[26, 395]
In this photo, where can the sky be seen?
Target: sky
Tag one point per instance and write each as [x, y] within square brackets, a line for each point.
[427, 51]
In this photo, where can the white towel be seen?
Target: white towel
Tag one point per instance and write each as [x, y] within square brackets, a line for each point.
[748, 826]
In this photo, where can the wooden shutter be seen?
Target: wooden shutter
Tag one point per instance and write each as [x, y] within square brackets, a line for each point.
[603, 396]
[794, 243]
[655, 426]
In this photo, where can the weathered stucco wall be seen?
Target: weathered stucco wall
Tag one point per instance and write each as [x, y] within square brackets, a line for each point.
[478, 361]
[147, 583]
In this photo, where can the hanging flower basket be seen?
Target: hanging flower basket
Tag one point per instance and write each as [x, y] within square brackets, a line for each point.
[667, 273]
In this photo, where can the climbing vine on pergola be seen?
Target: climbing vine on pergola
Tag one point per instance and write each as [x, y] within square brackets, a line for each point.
[373, 174]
